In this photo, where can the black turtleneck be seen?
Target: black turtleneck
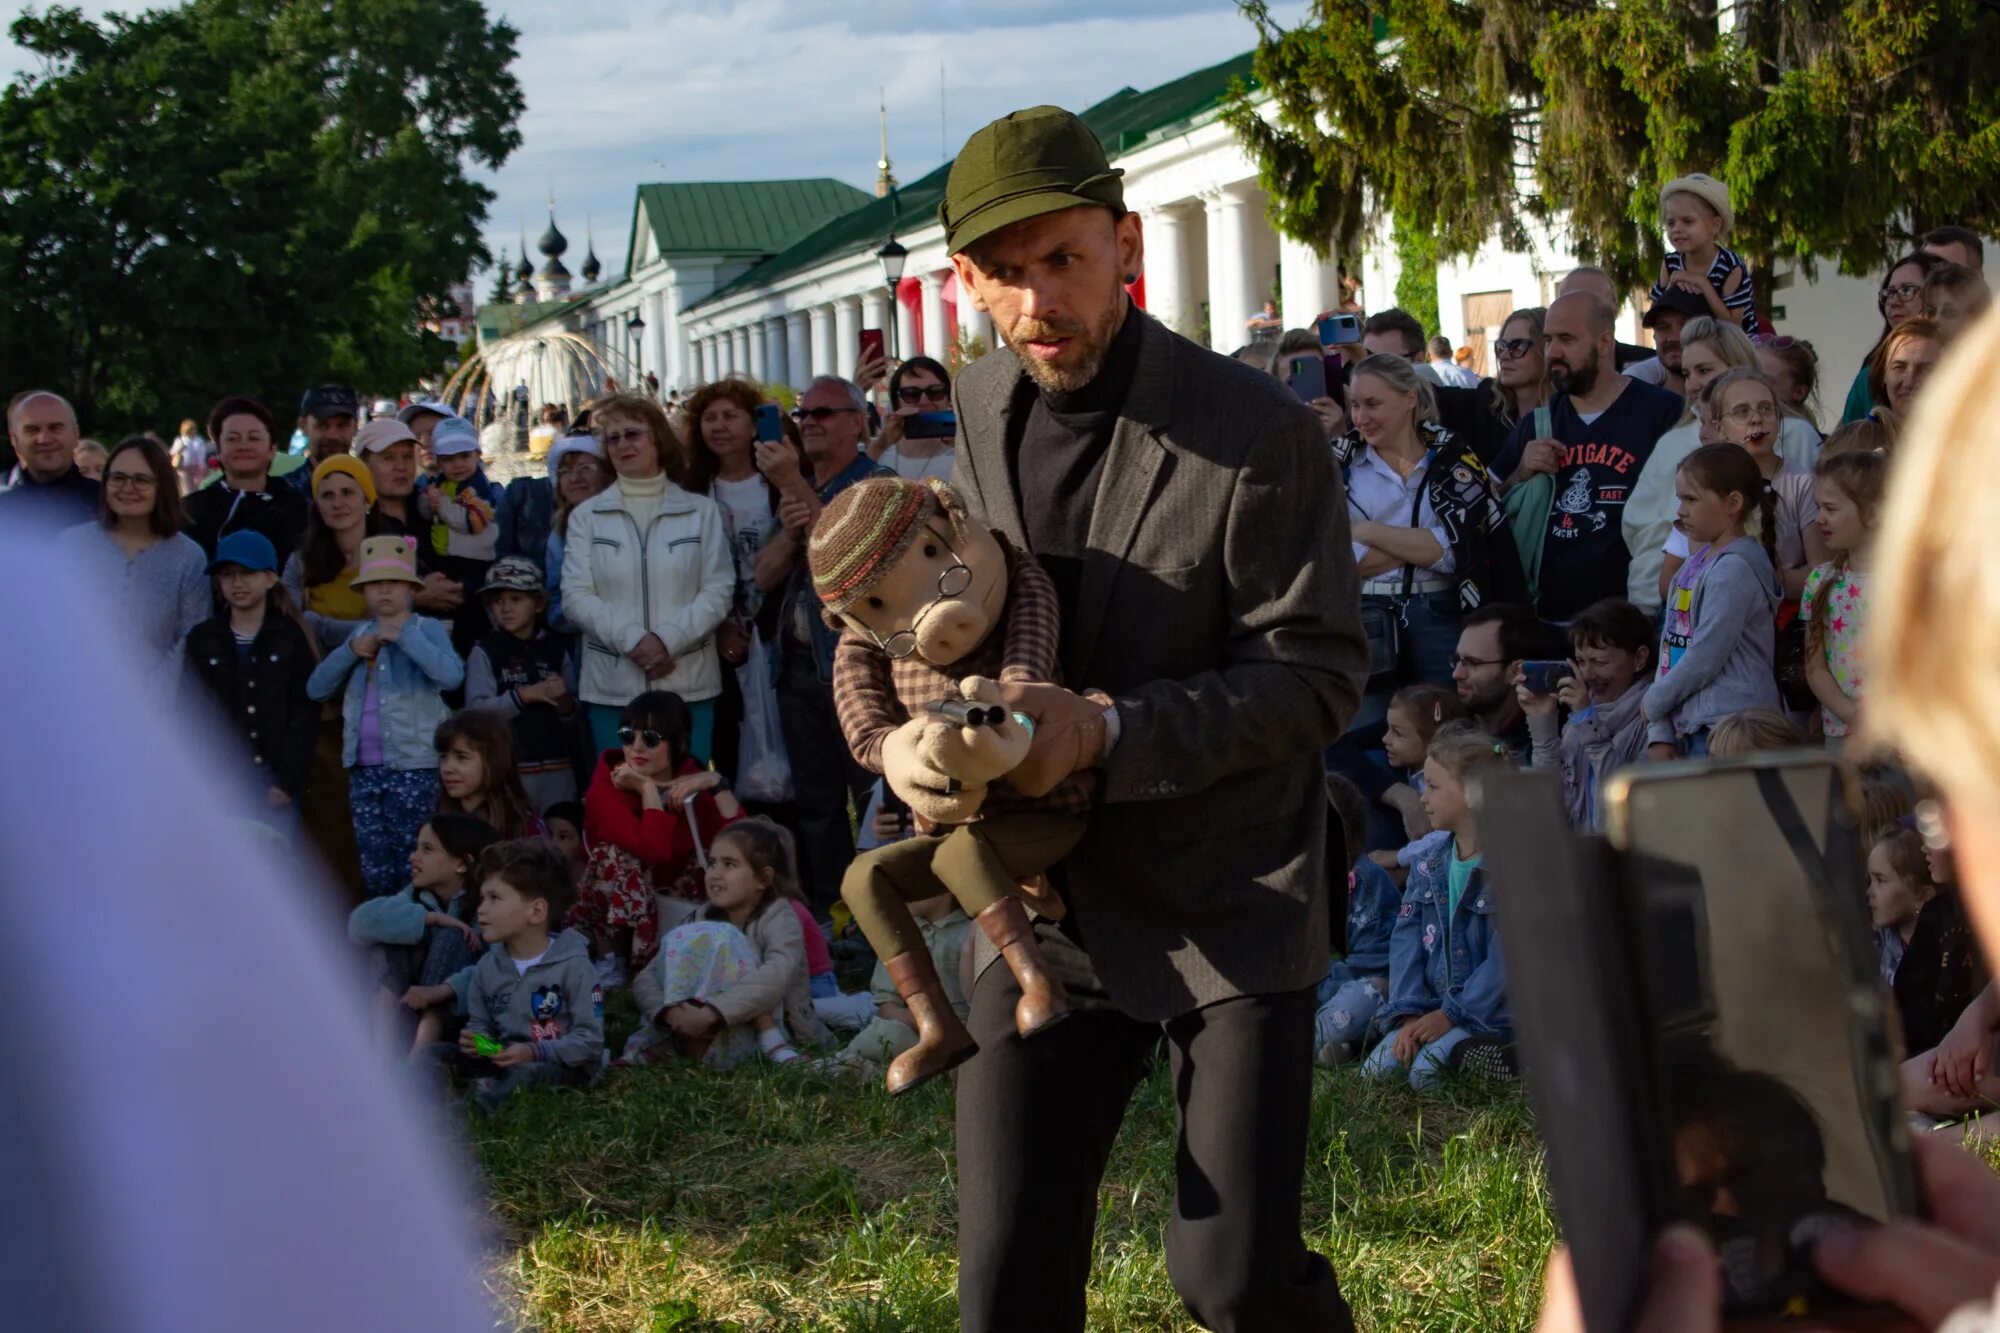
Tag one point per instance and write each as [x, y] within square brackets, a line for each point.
[1057, 453]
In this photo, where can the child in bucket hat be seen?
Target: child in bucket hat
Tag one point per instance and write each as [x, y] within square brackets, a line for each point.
[1695, 213]
[390, 675]
[526, 672]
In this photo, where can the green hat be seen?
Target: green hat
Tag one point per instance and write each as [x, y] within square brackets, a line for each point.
[1021, 166]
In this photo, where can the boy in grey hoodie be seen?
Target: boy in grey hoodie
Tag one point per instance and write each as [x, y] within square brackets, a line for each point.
[533, 995]
[1723, 663]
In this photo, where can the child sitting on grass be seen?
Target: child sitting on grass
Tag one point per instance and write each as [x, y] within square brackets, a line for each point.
[1415, 714]
[534, 994]
[1611, 644]
[1446, 982]
[733, 980]
[425, 934]
[1356, 985]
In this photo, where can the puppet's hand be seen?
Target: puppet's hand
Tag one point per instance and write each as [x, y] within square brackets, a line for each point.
[926, 788]
[976, 755]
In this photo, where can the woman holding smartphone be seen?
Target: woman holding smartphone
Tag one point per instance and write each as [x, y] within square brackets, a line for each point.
[918, 386]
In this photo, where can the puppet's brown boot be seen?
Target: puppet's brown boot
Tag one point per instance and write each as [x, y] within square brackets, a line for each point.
[942, 1041]
[1043, 1001]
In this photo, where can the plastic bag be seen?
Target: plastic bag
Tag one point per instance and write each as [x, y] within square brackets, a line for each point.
[763, 771]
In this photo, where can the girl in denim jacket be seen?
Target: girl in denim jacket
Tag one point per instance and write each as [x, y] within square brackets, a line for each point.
[1446, 982]
[391, 708]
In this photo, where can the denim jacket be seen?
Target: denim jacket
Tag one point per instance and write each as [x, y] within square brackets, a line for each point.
[1460, 970]
[1372, 899]
[409, 674]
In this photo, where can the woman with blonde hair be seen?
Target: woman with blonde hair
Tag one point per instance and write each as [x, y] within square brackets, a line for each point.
[647, 575]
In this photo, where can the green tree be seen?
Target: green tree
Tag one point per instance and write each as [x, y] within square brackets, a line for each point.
[1841, 129]
[243, 196]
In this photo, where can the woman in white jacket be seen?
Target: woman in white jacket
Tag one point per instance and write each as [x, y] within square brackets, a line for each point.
[647, 576]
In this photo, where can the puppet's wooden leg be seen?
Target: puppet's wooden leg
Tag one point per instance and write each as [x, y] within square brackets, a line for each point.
[942, 1041]
[1043, 1000]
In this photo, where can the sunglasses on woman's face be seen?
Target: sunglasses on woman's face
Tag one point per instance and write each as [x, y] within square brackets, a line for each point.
[1509, 349]
[632, 736]
[917, 393]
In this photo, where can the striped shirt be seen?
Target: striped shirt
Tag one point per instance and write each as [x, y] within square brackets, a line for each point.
[1743, 300]
[874, 695]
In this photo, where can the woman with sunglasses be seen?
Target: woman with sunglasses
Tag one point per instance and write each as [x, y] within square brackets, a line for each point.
[164, 589]
[1519, 383]
[1901, 298]
[918, 385]
[646, 576]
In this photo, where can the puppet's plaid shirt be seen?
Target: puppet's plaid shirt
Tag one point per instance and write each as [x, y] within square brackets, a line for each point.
[875, 695]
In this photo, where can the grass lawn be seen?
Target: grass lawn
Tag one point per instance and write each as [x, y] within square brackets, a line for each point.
[680, 1199]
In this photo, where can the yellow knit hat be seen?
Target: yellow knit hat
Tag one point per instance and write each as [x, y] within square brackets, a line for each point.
[351, 466]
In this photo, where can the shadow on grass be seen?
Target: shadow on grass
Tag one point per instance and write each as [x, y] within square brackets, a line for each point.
[772, 1198]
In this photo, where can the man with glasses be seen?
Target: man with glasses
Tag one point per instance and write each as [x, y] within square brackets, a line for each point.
[42, 428]
[1493, 641]
[918, 385]
[833, 421]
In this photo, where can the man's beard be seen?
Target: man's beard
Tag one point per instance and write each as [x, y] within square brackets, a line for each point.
[1093, 343]
[1487, 699]
[1575, 380]
[1670, 358]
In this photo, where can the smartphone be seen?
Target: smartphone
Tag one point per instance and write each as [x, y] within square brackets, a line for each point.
[1307, 376]
[1336, 330]
[1544, 677]
[1778, 1064]
[770, 422]
[1714, 952]
[872, 344]
[931, 425]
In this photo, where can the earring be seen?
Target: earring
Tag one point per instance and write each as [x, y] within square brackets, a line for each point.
[1131, 278]
[1931, 826]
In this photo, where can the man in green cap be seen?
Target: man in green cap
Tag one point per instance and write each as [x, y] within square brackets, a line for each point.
[1188, 511]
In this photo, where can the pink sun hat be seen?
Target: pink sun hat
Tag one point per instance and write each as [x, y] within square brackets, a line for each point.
[387, 560]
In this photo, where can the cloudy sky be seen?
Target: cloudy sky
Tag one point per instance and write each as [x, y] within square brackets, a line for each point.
[625, 91]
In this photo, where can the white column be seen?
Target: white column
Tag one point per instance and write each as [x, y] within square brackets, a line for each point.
[874, 315]
[741, 343]
[907, 344]
[659, 318]
[798, 347]
[937, 345]
[1168, 294]
[977, 324]
[698, 372]
[755, 353]
[1307, 284]
[1229, 270]
[849, 323]
[777, 355]
[825, 338]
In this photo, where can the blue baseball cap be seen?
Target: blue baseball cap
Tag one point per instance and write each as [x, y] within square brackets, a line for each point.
[249, 550]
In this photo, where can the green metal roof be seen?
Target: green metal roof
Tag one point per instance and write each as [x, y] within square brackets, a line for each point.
[1121, 121]
[738, 219]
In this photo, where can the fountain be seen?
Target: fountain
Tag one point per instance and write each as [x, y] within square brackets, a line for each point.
[557, 366]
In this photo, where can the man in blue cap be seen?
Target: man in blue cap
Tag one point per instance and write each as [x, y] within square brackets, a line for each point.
[1191, 518]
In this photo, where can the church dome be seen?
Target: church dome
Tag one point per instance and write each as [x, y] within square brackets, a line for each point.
[553, 242]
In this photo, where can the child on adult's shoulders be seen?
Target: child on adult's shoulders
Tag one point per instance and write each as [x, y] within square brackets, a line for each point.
[1604, 693]
[1447, 987]
[1695, 214]
[535, 1014]
[1357, 983]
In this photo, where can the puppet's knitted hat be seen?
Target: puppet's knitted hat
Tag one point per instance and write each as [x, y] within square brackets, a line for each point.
[865, 530]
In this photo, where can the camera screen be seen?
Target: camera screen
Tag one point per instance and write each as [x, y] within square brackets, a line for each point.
[1776, 1068]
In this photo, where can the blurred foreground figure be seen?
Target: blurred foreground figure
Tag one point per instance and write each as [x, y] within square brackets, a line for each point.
[197, 1133]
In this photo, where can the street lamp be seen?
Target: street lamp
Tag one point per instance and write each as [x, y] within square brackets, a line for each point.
[893, 255]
